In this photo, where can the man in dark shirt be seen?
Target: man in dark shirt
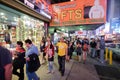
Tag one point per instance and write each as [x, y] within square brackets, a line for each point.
[93, 45]
[5, 64]
[102, 49]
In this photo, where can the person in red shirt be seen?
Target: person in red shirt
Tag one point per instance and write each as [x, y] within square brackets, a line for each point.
[19, 60]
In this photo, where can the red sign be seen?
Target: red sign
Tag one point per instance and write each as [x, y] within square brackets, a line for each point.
[79, 12]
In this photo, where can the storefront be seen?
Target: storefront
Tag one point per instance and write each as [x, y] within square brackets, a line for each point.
[15, 24]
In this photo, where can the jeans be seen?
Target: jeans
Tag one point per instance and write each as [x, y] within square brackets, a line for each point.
[61, 62]
[93, 52]
[84, 55]
[50, 65]
[31, 76]
[102, 55]
[19, 74]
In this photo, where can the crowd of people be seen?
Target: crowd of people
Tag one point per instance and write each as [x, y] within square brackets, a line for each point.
[30, 56]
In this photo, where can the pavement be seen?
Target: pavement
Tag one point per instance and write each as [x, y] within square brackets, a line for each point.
[74, 70]
[42, 71]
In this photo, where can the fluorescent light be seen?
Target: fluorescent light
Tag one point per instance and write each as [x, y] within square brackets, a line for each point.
[81, 29]
[2, 14]
[15, 18]
[62, 29]
[24, 17]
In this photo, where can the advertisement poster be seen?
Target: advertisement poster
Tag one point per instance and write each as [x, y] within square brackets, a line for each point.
[79, 12]
[115, 25]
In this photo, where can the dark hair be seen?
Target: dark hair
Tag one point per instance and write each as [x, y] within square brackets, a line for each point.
[20, 43]
[51, 45]
[28, 41]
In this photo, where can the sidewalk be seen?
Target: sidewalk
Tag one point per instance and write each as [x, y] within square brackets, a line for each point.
[91, 70]
[82, 71]
[42, 72]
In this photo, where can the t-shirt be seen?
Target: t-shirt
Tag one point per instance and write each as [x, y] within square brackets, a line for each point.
[62, 48]
[5, 57]
[31, 50]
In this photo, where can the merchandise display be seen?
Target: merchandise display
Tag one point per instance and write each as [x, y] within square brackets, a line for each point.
[10, 34]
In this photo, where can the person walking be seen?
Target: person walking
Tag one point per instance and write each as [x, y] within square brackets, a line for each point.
[50, 56]
[84, 51]
[98, 48]
[70, 49]
[19, 60]
[79, 51]
[32, 49]
[62, 55]
[102, 49]
[93, 45]
[42, 52]
[5, 64]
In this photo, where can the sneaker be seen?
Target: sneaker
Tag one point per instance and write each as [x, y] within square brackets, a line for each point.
[48, 72]
[38, 78]
[52, 72]
[62, 74]
[60, 70]
[83, 62]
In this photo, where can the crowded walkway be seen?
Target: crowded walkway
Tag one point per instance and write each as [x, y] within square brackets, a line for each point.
[78, 71]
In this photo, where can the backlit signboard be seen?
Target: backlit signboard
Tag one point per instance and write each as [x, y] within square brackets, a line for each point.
[79, 12]
[115, 25]
[41, 6]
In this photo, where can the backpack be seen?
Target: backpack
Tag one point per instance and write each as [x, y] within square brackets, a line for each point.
[34, 63]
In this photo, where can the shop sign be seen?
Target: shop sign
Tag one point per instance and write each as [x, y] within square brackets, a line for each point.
[40, 6]
[29, 4]
[79, 12]
[80, 32]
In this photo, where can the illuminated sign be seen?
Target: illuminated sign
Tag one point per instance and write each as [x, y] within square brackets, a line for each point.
[115, 25]
[79, 12]
[29, 4]
[40, 6]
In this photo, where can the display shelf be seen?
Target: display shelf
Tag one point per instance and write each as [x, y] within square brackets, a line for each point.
[1, 34]
[13, 34]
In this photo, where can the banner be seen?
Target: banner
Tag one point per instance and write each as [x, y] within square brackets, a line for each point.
[79, 12]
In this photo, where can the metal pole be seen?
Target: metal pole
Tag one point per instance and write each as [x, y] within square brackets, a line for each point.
[110, 56]
[106, 55]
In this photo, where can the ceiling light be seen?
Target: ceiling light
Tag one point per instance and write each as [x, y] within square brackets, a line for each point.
[81, 29]
[2, 14]
[63, 29]
[24, 17]
[15, 18]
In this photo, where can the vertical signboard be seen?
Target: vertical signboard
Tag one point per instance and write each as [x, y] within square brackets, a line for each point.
[115, 25]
